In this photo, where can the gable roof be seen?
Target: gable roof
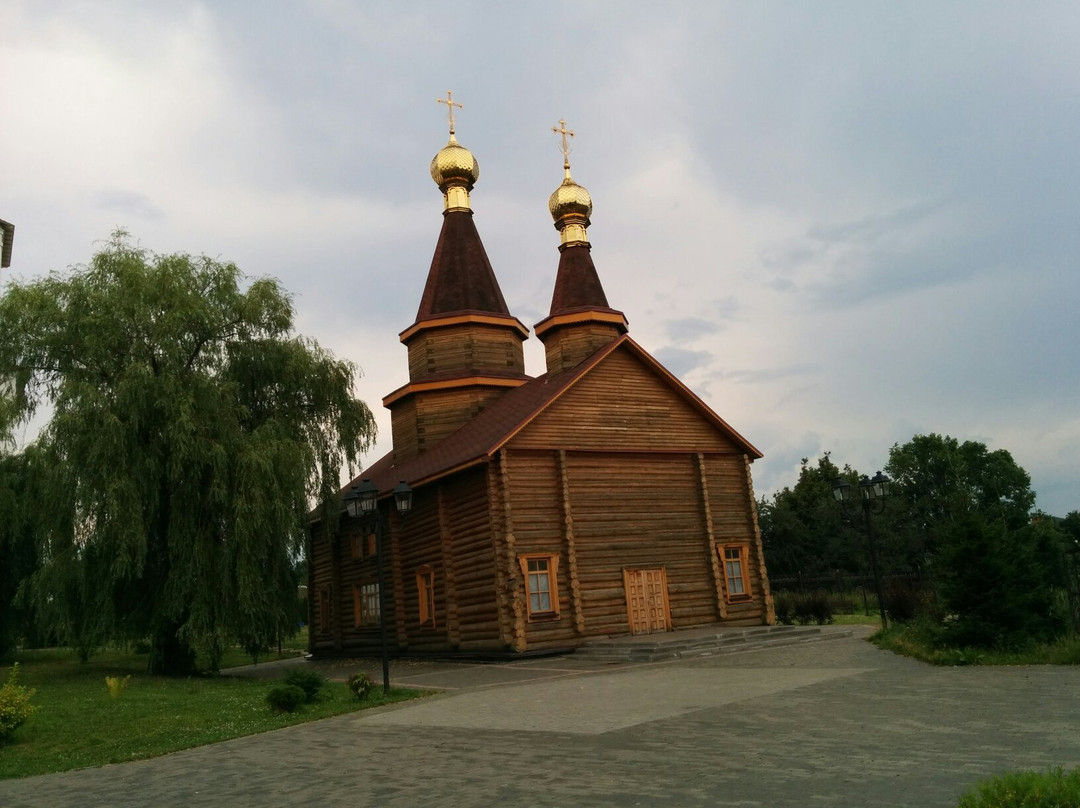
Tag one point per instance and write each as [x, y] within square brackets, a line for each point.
[478, 440]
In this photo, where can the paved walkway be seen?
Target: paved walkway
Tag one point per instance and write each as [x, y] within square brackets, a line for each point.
[836, 723]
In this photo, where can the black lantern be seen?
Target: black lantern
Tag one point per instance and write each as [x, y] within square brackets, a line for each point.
[403, 498]
[841, 489]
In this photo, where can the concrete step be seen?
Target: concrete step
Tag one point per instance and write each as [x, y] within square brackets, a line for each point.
[696, 643]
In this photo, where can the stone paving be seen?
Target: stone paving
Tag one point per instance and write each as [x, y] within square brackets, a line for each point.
[838, 723]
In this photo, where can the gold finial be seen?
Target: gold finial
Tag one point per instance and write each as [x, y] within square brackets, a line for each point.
[450, 104]
[565, 147]
[570, 204]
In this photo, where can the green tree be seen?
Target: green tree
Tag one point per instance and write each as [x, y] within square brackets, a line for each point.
[190, 431]
[18, 555]
[941, 481]
[1001, 588]
[803, 529]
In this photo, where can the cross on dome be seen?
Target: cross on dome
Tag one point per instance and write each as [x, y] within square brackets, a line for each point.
[565, 147]
[450, 104]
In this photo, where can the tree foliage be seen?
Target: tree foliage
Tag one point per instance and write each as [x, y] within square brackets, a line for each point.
[943, 481]
[959, 517]
[18, 554]
[1001, 588]
[802, 529]
[190, 431]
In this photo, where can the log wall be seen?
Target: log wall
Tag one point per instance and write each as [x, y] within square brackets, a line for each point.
[423, 419]
[467, 349]
[568, 346]
[735, 522]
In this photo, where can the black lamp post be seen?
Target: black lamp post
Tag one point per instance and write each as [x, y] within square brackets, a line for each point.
[363, 502]
[873, 491]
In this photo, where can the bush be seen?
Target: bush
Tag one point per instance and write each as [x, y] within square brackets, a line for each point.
[804, 609]
[1052, 789]
[903, 600]
[117, 684]
[813, 607]
[311, 682]
[360, 685]
[285, 698]
[784, 606]
[15, 706]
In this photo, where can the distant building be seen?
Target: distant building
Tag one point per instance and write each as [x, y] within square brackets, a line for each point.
[600, 498]
[7, 234]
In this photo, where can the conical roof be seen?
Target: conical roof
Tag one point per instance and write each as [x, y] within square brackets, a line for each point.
[460, 278]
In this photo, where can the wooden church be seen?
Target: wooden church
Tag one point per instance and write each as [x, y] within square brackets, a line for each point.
[600, 498]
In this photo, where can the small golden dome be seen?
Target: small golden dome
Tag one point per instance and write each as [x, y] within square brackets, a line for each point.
[570, 199]
[454, 164]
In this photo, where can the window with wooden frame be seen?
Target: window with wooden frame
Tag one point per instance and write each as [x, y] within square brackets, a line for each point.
[425, 589]
[541, 585]
[369, 545]
[323, 606]
[355, 546]
[736, 572]
[365, 605]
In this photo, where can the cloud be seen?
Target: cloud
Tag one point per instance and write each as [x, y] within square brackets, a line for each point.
[127, 203]
[687, 329]
[681, 361]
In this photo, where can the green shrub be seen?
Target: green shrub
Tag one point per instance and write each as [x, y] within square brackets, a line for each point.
[813, 607]
[360, 685]
[15, 706]
[784, 606]
[285, 698]
[803, 608]
[311, 682]
[1027, 789]
[903, 600]
[117, 684]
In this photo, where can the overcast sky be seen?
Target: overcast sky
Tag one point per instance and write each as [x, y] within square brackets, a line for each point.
[841, 224]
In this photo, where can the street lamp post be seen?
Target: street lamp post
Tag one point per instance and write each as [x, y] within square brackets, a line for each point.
[873, 491]
[363, 502]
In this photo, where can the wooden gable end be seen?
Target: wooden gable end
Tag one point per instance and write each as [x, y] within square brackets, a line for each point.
[623, 404]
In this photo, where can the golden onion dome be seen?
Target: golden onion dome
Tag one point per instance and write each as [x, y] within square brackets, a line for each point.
[569, 199]
[454, 164]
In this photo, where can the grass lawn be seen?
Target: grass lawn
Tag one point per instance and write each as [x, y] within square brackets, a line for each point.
[856, 619]
[913, 640]
[236, 656]
[77, 724]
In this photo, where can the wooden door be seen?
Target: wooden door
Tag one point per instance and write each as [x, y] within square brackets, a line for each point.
[647, 600]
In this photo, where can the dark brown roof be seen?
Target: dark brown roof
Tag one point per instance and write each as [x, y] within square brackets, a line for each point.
[460, 278]
[483, 436]
[577, 286]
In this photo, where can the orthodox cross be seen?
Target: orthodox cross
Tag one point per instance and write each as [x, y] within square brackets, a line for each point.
[450, 104]
[565, 148]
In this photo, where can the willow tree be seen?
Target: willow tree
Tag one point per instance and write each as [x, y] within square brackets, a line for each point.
[191, 429]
